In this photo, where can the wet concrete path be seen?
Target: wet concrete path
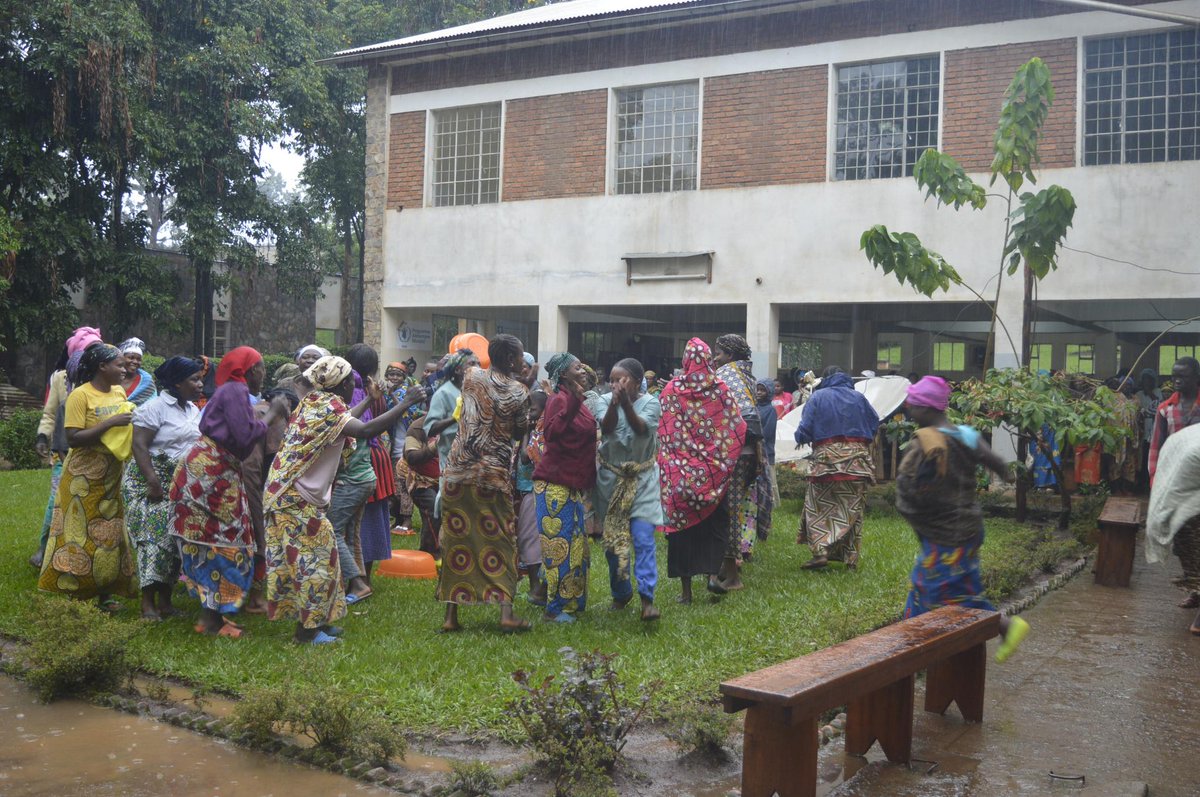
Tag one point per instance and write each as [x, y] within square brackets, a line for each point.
[1106, 686]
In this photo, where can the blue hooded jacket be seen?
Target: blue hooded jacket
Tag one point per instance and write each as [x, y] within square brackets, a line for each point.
[836, 409]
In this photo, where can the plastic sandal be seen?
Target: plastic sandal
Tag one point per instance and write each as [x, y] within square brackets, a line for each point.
[322, 638]
[332, 630]
[353, 599]
[1018, 629]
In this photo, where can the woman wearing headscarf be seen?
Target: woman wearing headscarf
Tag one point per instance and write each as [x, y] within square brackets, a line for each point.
[139, 385]
[88, 552]
[731, 359]
[700, 436]
[840, 424]
[936, 493]
[308, 355]
[440, 421]
[210, 514]
[164, 431]
[765, 491]
[304, 577]
[628, 502]
[479, 547]
[561, 481]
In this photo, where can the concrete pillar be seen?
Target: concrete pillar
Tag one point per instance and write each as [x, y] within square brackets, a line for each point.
[1106, 355]
[762, 333]
[552, 332]
[864, 350]
[922, 356]
[379, 89]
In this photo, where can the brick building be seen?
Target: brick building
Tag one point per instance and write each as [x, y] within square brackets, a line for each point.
[613, 176]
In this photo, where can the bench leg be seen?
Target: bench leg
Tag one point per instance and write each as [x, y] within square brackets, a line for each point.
[959, 679]
[778, 757]
[886, 716]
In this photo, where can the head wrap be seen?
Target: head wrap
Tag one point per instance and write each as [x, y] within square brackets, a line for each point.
[769, 384]
[73, 367]
[133, 346]
[328, 372]
[558, 365]
[94, 356]
[286, 371]
[735, 346]
[82, 338]
[411, 366]
[311, 347]
[454, 361]
[930, 391]
[236, 364]
[1148, 373]
[593, 379]
[529, 359]
[397, 366]
[176, 370]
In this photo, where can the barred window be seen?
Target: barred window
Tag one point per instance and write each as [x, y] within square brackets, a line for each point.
[657, 133]
[466, 155]
[1141, 98]
[887, 115]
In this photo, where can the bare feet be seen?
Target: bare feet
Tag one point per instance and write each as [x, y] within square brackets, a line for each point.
[1195, 627]
[451, 623]
[816, 563]
[649, 610]
[1192, 601]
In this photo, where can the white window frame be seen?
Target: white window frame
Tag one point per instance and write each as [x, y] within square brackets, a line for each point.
[610, 165]
[431, 144]
[831, 112]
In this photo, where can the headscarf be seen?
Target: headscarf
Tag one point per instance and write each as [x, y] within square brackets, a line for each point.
[236, 364]
[81, 338]
[735, 346]
[769, 384]
[397, 366]
[930, 391]
[410, 365]
[558, 365]
[174, 371]
[316, 423]
[94, 356]
[328, 372]
[73, 363]
[133, 346]
[699, 439]
[453, 361]
[286, 371]
[311, 347]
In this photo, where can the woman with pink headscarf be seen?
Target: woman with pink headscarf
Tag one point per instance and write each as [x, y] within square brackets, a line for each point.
[936, 493]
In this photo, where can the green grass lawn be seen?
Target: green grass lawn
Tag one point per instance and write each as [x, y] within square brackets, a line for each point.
[433, 682]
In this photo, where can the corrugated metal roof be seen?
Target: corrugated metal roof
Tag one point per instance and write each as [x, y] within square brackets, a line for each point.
[530, 18]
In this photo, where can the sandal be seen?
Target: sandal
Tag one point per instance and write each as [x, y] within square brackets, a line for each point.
[110, 605]
[226, 630]
[522, 625]
[1192, 601]
[320, 638]
[815, 563]
[1018, 629]
[352, 599]
[715, 587]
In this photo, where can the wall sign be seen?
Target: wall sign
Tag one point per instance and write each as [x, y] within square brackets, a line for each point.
[414, 334]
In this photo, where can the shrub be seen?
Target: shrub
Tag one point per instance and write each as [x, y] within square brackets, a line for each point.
[272, 363]
[791, 483]
[701, 729]
[75, 648]
[335, 719]
[18, 433]
[150, 363]
[579, 723]
[471, 779]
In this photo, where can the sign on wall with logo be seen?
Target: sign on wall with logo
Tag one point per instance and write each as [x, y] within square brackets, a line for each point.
[414, 334]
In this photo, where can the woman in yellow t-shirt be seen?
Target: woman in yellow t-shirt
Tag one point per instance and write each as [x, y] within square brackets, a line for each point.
[88, 552]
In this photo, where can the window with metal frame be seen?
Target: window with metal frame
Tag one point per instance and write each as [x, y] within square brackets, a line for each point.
[1141, 99]
[658, 134]
[1041, 356]
[887, 115]
[1081, 359]
[949, 356]
[1167, 355]
[466, 155]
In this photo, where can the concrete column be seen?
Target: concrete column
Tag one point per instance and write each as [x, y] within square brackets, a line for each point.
[379, 89]
[864, 350]
[762, 333]
[552, 332]
[1106, 355]
[922, 358]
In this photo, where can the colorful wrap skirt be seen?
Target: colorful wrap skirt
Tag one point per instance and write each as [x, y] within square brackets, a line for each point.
[565, 551]
[304, 579]
[945, 575]
[149, 524]
[219, 576]
[832, 520]
[479, 545]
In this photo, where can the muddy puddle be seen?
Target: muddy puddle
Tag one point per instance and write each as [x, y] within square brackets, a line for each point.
[71, 749]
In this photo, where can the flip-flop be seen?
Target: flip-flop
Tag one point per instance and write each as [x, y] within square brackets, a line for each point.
[321, 638]
[715, 587]
[332, 630]
[352, 599]
[111, 605]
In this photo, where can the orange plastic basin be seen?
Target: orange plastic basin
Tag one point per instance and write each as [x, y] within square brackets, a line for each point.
[408, 564]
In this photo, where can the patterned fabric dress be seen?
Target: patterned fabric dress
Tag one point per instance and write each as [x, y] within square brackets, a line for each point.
[149, 524]
[303, 576]
[566, 553]
[88, 552]
[479, 536]
[832, 521]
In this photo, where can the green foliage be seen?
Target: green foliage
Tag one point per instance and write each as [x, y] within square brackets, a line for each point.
[337, 719]
[471, 779]
[1031, 550]
[273, 362]
[700, 728]
[1026, 104]
[579, 724]
[75, 648]
[941, 177]
[1040, 223]
[18, 433]
[903, 255]
[791, 484]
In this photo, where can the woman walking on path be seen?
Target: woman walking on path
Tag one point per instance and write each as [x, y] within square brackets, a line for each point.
[561, 481]
[88, 552]
[138, 384]
[840, 424]
[303, 571]
[164, 431]
[700, 436]
[628, 502]
[731, 359]
[479, 546]
[210, 513]
[936, 492]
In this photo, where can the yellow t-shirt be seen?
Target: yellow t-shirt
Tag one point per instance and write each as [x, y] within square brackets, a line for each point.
[87, 406]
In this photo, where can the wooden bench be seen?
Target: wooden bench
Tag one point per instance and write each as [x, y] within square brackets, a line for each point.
[1118, 523]
[873, 676]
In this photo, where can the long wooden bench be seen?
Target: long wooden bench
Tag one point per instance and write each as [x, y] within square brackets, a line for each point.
[873, 676]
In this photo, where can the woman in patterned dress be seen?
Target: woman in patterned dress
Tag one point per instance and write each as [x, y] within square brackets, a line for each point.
[479, 540]
[303, 574]
[164, 431]
[210, 514]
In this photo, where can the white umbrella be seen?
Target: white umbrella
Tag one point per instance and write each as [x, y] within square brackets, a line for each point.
[886, 394]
